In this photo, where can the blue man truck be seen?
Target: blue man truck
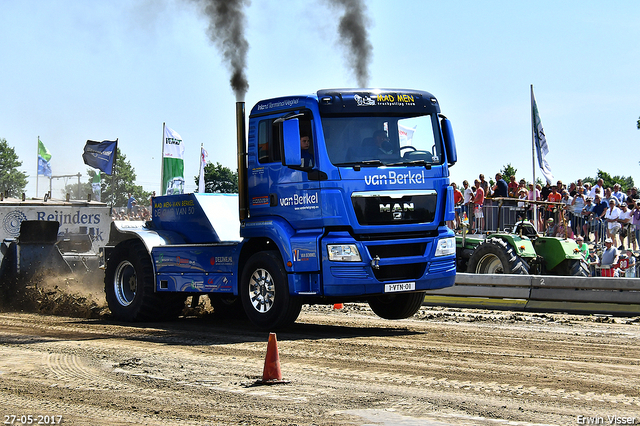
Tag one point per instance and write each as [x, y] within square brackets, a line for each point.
[359, 215]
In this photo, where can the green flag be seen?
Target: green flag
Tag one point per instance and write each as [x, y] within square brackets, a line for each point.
[172, 163]
[44, 166]
[43, 151]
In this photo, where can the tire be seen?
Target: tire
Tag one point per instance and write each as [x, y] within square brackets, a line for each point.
[264, 291]
[579, 268]
[495, 256]
[129, 287]
[396, 306]
[227, 306]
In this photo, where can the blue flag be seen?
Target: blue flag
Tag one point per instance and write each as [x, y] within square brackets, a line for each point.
[44, 165]
[100, 155]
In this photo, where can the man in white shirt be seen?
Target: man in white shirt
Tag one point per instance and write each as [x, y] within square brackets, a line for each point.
[467, 195]
[611, 216]
[598, 185]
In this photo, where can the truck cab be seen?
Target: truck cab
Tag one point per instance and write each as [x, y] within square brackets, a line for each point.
[343, 196]
[368, 216]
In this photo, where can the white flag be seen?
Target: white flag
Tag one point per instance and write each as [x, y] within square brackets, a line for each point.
[95, 186]
[540, 140]
[405, 134]
[172, 163]
[203, 161]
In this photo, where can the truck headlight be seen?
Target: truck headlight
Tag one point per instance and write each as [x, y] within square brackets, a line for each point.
[343, 252]
[446, 246]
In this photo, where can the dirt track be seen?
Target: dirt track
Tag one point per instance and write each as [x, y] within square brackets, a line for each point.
[348, 367]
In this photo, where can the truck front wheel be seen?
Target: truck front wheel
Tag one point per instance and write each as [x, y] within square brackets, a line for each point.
[396, 306]
[129, 287]
[264, 291]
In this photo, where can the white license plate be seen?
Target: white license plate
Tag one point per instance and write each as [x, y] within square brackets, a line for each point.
[390, 288]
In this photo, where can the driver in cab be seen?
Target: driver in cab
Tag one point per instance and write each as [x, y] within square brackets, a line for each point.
[381, 148]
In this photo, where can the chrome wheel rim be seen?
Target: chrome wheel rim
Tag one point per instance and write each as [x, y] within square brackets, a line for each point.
[125, 283]
[262, 290]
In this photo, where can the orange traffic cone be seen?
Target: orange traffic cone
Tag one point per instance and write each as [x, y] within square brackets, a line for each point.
[271, 373]
[338, 306]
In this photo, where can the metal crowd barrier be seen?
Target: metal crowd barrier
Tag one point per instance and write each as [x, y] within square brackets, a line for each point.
[503, 213]
[540, 293]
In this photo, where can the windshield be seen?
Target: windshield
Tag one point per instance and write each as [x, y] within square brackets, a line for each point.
[377, 141]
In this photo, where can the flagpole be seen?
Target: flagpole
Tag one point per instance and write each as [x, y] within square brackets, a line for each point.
[37, 161]
[533, 161]
[162, 162]
[113, 174]
[201, 169]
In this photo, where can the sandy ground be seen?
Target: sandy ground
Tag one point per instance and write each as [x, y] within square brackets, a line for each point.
[444, 366]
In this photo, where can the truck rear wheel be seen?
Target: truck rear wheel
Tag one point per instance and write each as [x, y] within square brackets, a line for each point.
[495, 256]
[129, 287]
[396, 306]
[264, 291]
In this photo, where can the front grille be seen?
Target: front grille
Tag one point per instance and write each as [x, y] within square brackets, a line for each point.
[411, 271]
[394, 207]
[397, 250]
[406, 271]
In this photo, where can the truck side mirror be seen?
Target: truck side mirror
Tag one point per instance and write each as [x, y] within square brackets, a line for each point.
[449, 141]
[291, 136]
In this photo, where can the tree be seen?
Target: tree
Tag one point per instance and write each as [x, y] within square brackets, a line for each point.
[12, 180]
[218, 178]
[638, 123]
[120, 183]
[508, 171]
[608, 180]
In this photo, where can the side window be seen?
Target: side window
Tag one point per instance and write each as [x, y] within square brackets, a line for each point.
[263, 141]
[306, 142]
[270, 138]
[269, 141]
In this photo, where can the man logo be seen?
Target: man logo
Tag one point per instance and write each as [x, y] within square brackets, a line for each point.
[397, 209]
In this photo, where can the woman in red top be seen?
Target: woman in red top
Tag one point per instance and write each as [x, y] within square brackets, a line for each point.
[554, 197]
[457, 202]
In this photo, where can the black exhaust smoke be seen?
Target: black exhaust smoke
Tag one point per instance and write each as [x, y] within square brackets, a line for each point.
[354, 36]
[226, 31]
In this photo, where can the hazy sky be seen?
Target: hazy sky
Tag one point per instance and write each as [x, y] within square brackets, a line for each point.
[78, 70]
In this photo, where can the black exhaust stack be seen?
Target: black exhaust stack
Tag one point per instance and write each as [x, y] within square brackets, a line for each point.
[242, 162]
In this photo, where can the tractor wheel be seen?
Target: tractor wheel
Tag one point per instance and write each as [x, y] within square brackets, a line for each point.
[396, 306]
[264, 291]
[129, 287]
[495, 256]
[579, 268]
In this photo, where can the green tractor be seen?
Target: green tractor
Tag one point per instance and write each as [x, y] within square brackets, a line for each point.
[522, 251]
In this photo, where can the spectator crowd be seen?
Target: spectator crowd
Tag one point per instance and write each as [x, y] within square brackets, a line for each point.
[600, 220]
[133, 211]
